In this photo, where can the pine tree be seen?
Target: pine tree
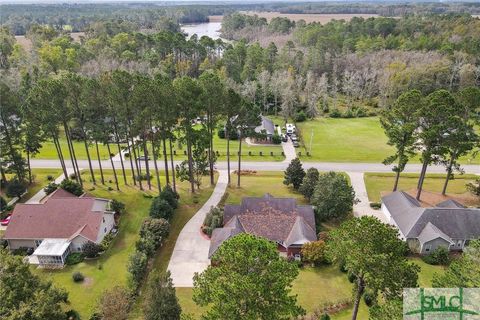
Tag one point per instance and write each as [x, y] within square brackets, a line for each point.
[294, 174]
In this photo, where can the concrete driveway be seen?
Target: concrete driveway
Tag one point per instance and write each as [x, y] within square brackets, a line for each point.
[190, 254]
[363, 208]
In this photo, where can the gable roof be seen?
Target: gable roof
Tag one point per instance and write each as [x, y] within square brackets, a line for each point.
[431, 232]
[61, 193]
[277, 219]
[266, 125]
[449, 217]
[59, 217]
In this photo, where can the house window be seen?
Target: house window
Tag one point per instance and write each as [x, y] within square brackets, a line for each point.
[38, 242]
[428, 247]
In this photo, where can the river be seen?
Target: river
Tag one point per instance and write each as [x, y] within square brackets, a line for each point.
[211, 29]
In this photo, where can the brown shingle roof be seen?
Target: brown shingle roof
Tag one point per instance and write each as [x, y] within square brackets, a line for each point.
[276, 219]
[58, 217]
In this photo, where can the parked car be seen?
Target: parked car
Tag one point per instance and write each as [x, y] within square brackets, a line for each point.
[296, 144]
[284, 138]
[6, 221]
[294, 137]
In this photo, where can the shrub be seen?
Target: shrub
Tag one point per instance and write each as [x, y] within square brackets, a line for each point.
[72, 315]
[325, 316]
[50, 178]
[3, 204]
[160, 208]
[16, 188]
[351, 277]
[143, 177]
[152, 234]
[51, 187]
[137, 268]
[78, 277]
[300, 116]
[213, 219]
[335, 113]
[107, 240]
[439, 256]
[375, 205]
[171, 196]
[72, 187]
[72, 176]
[314, 252]
[74, 258]
[91, 249]
[117, 206]
[369, 297]
[276, 139]
[221, 133]
[294, 174]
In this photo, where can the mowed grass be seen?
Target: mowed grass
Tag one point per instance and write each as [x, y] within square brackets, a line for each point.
[39, 181]
[381, 183]
[349, 140]
[111, 268]
[425, 276]
[249, 152]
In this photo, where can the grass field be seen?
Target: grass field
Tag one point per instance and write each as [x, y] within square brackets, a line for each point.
[39, 181]
[110, 268]
[249, 152]
[311, 17]
[378, 183]
[349, 140]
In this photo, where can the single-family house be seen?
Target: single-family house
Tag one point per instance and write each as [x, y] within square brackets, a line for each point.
[60, 225]
[280, 220]
[266, 127]
[448, 224]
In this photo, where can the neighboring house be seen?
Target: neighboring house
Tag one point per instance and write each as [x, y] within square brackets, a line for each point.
[266, 127]
[58, 226]
[448, 224]
[280, 220]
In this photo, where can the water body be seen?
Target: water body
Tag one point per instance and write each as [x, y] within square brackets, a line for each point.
[210, 29]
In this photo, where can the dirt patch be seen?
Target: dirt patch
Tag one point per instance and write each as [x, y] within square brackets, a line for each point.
[215, 18]
[430, 199]
[27, 44]
[311, 17]
[87, 282]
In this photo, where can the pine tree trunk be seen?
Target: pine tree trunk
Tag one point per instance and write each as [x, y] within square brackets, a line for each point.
[113, 166]
[228, 156]
[449, 173]
[155, 164]
[89, 159]
[136, 163]
[99, 163]
[147, 164]
[60, 155]
[117, 139]
[421, 179]
[397, 177]
[130, 152]
[165, 158]
[29, 168]
[239, 158]
[173, 167]
[190, 163]
[69, 144]
[210, 157]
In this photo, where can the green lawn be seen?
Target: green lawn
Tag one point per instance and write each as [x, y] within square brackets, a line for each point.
[378, 183]
[249, 153]
[348, 140]
[425, 276]
[110, 268]
[39, 181]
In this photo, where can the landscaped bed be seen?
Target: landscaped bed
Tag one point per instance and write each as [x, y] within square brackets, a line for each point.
[382, 183]
[111, 268]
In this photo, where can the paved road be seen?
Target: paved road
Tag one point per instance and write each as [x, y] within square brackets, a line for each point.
[190, 254]
[277, 166]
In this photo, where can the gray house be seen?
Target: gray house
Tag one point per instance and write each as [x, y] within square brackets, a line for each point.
[448, 224]
[267, 127]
